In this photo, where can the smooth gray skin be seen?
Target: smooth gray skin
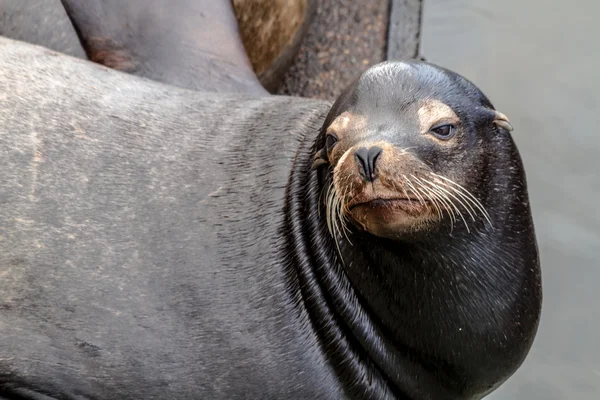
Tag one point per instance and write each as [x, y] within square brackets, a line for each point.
[41, 22]
[539, 61]
[194, 44]
[115, 195]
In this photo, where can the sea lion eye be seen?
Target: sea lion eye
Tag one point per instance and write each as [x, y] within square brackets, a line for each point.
[330, 141]
[445, 131]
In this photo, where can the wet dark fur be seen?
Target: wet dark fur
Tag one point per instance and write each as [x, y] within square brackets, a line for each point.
[434, 315]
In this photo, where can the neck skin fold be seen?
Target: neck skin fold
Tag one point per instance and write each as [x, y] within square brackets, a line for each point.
[368, 365]
[400, 319]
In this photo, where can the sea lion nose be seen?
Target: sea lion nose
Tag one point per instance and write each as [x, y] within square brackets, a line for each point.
[367, 160]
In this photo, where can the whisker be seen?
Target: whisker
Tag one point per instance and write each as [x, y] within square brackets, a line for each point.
[473, 199]
[445, 196]
[447, 206]
[328, 208]
[342, 216]
[450, 200]
[405, 193]
[408, 182]
[433, 198]
[472, 212]
[466, 206]
[442, 199]
[437, 187]
[335, 218]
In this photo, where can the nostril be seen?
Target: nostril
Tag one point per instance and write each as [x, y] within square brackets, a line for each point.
[362, 155]
[367, 160]
[372, 157]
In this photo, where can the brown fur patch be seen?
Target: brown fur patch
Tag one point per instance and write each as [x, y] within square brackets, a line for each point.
[433, 112]
[396, 182]
[346, 122]
[267, 27]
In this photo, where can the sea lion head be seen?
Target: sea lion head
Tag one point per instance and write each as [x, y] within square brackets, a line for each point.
[406, 146]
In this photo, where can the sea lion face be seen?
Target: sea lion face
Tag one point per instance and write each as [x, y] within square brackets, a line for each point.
[407, 145]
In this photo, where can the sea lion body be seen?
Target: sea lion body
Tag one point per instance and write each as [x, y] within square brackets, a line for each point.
[161, 243]
[141, 252]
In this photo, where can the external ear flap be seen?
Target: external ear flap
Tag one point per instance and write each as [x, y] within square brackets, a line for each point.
[320, 159]
[502, 121]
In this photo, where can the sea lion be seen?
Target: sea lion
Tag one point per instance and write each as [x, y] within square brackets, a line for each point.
[194, 44]
[165, 243]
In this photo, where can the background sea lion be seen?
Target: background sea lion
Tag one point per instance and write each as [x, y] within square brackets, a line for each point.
[194, 44]
[144, 254]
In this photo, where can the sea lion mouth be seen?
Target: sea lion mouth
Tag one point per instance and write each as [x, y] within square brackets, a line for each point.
[393, 202]
[389, 216]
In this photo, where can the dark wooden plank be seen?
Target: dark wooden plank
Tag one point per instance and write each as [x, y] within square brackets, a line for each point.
[404, 27]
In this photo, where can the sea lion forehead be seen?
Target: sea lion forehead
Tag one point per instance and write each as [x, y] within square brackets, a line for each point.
[408, 91]
[388, 75]
[415, 73]
[396, 85]
[389, 69]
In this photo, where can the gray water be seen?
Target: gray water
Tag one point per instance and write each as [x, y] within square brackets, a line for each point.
[539, 63]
